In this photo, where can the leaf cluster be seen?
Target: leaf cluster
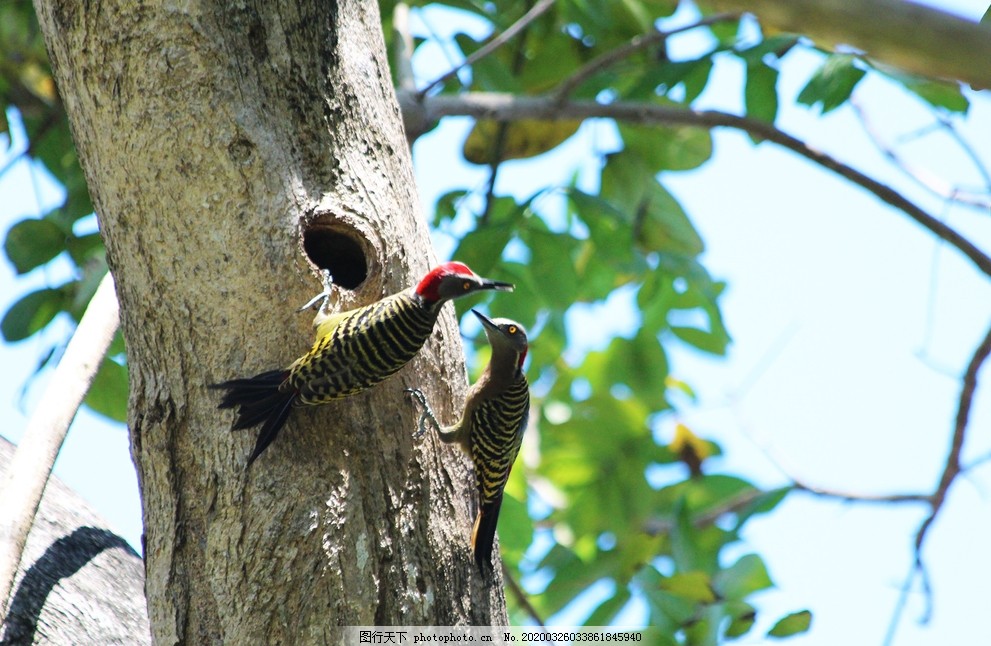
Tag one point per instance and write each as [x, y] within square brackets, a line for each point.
[58, 235]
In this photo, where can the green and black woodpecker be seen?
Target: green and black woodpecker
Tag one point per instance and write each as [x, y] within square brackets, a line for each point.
[354, 350]
[491, 426]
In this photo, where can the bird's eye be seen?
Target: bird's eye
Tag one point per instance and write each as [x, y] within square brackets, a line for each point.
[466, 285]
[512, 329]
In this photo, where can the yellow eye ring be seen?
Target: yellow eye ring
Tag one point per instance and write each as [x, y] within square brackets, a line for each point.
[512, 329]
[466, 285]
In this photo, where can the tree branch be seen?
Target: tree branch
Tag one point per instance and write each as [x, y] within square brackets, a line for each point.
[45, 432]
[521, 597]
[499, 106]
[952, 468]
[657, 526]
[849, 496]
[535, 12]
[888, 30]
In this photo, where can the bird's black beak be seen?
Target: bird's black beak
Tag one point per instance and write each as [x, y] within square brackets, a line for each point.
[497, 285]
[486, 321]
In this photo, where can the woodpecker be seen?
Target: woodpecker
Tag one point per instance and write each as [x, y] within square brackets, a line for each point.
[354, 350]
[491, 427]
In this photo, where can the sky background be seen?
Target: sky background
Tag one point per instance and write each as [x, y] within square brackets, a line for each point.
[851, 326]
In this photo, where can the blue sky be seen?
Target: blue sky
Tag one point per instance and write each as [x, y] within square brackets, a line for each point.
[851, 326]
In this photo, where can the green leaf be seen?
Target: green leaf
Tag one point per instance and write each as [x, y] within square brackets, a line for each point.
[32, 313]
[554, 56]
[662, 225]
[742, 618]
[516, 140]
[761, 93]
[447, 206]
[552, 264]
[711, 342]
[84, 248]
[793, 624]
[725, 31]
[693, 586]
[665, 608]
[624, 179]
[108, 393]
[490, 74]
[608, 609]
[663, 148]
[646, 80]
[743, 578]
[833, 83]
[939, 94]
[31, 243]
[776, 46]
[482, 248]
[515, 528]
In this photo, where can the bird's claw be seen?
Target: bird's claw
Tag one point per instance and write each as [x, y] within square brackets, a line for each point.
[425, 416]
[324, 296]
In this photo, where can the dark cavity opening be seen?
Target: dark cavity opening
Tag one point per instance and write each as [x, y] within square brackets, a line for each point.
[337, 249]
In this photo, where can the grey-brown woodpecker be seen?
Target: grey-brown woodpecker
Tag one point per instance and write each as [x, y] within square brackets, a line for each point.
[491, 427]
[354, 350]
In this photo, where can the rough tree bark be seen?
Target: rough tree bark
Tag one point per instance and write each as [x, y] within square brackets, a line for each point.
[229, 148]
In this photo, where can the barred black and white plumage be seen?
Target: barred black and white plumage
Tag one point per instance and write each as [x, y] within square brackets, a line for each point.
[491, 427]
[363, 348]
[354, 350]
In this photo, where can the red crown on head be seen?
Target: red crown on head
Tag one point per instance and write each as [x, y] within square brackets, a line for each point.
[431, 282]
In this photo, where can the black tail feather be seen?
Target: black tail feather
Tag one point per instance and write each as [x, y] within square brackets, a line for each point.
[483, 534]
[259, 399]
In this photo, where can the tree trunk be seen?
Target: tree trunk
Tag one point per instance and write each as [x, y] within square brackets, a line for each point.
[229, 148]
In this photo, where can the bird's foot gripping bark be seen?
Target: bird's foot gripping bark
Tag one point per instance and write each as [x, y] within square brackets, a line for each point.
[322, 297]
[426, 416]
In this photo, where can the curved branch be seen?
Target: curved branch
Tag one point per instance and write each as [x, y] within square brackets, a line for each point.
[521, 597]
[499, 106]
[850, 496]
[953, 468]
[925, 41]
[32, 464]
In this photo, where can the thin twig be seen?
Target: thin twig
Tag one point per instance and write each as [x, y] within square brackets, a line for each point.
[799, 484]
[968, 150]
[929, 181]
[952, 467]
[32, 463]
[498, 148]
[636, 44]
[498, 106]
[889, 635]
[850, 496]
[502, 130]
[521, 596]
[658, 526]
[535, 12]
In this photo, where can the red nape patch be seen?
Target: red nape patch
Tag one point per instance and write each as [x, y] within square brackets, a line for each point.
[431, 282]
[519, 364]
